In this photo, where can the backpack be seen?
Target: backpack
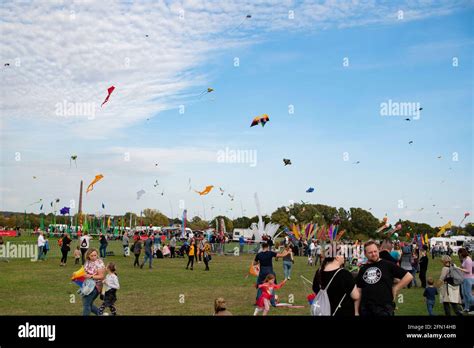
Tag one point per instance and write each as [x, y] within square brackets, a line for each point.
[455, 276]
[321, 305]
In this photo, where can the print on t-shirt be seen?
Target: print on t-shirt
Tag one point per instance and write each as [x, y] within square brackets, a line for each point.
[372, 275]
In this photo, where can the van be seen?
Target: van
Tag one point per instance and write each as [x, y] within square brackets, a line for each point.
[247, 233]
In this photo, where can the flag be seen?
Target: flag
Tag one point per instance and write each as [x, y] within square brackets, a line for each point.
[42, 223]
[426, 239]
[183, 232]
[85, 226]
[108, 223]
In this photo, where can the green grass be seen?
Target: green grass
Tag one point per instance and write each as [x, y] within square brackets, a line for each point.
[44, 288]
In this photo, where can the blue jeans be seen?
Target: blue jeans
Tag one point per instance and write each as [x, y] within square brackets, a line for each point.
[103, 251]
[466, 288]
[40, 253]
[413, 273]
[88, 303]
[148, 257]
[429, 305]
[287, 265]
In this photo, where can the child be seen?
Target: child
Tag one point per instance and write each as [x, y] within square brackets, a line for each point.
[45, 248]
[77, 255]
[430, 294]
[263, 302]
[111, 283]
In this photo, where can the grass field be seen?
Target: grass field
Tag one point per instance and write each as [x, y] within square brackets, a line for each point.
[44, 288]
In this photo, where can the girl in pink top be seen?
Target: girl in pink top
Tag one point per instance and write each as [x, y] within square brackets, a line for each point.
[263, 302]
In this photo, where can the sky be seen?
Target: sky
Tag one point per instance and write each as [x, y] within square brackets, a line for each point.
[322, 71]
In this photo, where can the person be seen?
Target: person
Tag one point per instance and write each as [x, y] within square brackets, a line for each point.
[77, 255]
[103, 245]
[375, 283]
[385, 250]
[423, 264]
[267, 287]
[166, 250]
[202, 243]
[40, 245]
[148, 251]
[125, 242]
[65, 248]
[45, 248]
[466, 286]
[340, 286]
[434, 251]
[220, 307]
[94, 269]
[197, 249]
[430, 296]
[288, 262]
[207, 255]
[406, 261]
[84, 242]
[318, 256]
[191, 255]
[111, 283]
[450, 294]
[311, 253]
[137, 249]
[172, 247]
[241, 244]
[264, 259]
[396, 252]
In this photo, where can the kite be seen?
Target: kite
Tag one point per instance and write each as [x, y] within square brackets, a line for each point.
[64, 211]
[37, 202]
[146, 35]
[466, 214]
[231, 197]
[162, 192]
[356, 162]
[156, 164]
[156, 183]
[7, 64]
[97, 178]
[243, 20]
[140, 193]
[407, 119]
[410, 142]
[189, 184]
[287, 161]
[78, 277]
[420, 109]
[34, 177]
[41, 208]
[206, 190]
[103, 206]
[311, 189]
[439, 157]
[208, 90]
[260, 120]
[73, 158]
[222, 191]
[109, 92]
[443, 229]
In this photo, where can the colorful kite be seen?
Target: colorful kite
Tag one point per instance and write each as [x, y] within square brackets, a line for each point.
[443, 229]
[260, 120]
[97, 178]
[466, 214]
[311, 189]
[206, 190]
[208, 90]
[78, 277]
[109, 92]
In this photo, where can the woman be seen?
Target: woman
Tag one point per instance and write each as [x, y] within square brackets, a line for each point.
[423, 267]
[340, 286]
[288, 262]
[65, 248]
[449, 294]
[137, 249]
[103, 245]
[95, 269]
[220, 307]
[466, 286]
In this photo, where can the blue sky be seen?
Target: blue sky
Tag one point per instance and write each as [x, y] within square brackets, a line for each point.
[337, 110]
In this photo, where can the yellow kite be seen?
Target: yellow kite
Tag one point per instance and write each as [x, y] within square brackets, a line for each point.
[206, 190]
[444, 228]
[91, 185]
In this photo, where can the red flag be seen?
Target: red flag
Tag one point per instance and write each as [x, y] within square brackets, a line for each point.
[109, 91]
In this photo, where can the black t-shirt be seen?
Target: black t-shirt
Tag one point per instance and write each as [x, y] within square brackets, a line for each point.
[423, 263]
[376, 281]
[384, 254]
[343, 283]
[66, 242]
[265, 258]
